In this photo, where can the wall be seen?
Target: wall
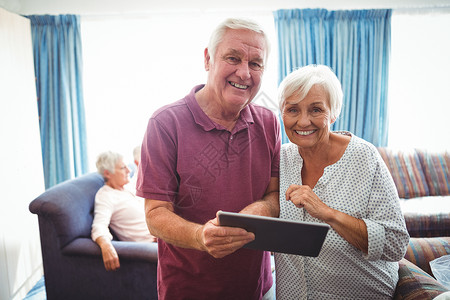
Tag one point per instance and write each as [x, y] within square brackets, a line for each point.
[21, 173]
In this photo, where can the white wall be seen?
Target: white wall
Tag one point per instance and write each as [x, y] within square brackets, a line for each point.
[21, 174]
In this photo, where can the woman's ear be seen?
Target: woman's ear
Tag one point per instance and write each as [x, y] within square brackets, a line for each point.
[207, 59]
[106, 175]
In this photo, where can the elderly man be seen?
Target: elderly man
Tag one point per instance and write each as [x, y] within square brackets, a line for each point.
[213, 150]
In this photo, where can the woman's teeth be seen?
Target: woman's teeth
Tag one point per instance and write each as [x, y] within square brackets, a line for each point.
[304, 132]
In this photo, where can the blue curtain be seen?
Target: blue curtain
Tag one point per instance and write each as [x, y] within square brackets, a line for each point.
[58, 69]
[356, 45]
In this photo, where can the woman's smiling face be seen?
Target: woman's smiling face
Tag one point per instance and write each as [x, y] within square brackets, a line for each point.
[307, 122]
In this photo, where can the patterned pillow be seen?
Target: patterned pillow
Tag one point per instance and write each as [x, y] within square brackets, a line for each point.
[421, 251]
[406, 171]
[414, 283]
[436, 167]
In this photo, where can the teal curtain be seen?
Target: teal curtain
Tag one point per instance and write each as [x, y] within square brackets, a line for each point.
[356, 45]
[58, 69]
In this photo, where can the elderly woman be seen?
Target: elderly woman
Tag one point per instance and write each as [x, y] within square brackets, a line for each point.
[338, 179]
[118, 208]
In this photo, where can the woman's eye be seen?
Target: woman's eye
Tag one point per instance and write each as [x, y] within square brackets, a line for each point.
[291, 110]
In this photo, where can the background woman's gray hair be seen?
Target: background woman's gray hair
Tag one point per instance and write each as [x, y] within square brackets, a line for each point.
[235, 23]
[301, 80]
[107, 161]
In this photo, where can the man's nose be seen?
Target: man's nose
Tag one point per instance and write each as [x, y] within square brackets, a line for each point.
[243, 71]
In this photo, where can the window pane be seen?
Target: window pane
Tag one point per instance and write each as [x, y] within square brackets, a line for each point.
[419, 81]
[133, 65]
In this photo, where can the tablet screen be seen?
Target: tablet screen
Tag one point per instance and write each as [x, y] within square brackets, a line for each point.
[279, 235]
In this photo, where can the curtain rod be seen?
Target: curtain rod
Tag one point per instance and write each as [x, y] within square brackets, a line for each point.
[254, 12]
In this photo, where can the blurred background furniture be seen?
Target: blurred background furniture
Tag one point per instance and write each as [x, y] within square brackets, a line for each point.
[73, 265]
[416, 279]
[422, 181]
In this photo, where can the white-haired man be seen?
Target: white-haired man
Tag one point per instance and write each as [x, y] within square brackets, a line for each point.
[213, 150]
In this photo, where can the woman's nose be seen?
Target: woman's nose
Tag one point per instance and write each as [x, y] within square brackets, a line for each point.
[303, 120]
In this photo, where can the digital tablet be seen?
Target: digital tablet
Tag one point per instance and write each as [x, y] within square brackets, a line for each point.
[279, 235]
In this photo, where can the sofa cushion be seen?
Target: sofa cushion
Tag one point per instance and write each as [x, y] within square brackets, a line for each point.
[436, 167]
[414, 283]
[421, 251]
[427, 216]
[406, 171]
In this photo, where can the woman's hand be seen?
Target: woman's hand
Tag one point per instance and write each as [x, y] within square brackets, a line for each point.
[353, 230]
[303, 197]
[109, 254]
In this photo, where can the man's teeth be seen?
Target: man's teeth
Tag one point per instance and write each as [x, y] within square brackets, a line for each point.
[239, 86]
[304, 132]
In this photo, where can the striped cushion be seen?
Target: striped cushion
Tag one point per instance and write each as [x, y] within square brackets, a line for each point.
[427, 224]
[406, 171]
[421, 251]
[414, 283]
[436, 167]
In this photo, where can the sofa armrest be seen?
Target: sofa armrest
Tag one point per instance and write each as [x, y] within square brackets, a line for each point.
[421, 251]
[137, 250]
[126, 250]
[414, 283]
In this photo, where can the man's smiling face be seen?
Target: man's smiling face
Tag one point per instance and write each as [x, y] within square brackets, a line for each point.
[236, 72]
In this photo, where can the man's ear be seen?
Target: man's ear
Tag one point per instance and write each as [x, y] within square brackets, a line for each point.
[207, 59]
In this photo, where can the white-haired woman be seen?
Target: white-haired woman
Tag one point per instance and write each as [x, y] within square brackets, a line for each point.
[338, 179]
[117, 208]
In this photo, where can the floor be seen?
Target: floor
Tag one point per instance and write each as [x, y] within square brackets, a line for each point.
[37, 292]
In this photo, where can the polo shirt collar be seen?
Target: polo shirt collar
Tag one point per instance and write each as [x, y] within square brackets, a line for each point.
[245, 117]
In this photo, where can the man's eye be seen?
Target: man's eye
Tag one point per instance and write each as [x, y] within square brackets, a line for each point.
[232, 60]
[255, 66]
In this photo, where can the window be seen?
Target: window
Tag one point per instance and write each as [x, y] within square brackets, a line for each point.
[134, 65]
[419, 80]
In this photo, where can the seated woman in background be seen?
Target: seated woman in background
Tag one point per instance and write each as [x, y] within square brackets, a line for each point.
[338, 179]
[118, 208]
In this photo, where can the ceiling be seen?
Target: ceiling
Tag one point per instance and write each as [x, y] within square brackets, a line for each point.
[102, 7]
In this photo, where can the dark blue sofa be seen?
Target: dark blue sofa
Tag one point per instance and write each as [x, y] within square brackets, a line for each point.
[73, 265]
